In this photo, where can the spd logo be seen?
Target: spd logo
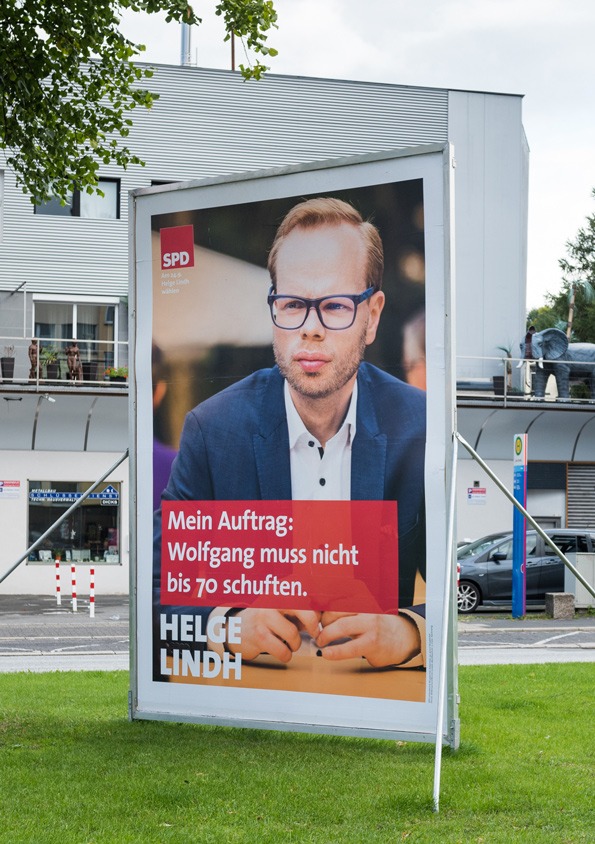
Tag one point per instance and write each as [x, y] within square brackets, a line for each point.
[177, 247]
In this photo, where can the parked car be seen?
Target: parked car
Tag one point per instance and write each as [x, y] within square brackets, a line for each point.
[485, 567]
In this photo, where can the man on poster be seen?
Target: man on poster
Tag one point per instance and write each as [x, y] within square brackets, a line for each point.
[322, 424]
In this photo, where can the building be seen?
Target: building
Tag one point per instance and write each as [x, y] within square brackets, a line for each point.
[64, 277]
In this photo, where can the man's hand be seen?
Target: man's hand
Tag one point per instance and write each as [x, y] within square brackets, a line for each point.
[274, 632]
[382, 639]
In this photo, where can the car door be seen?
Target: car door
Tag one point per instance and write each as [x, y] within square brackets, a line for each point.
[533, 567]
[552, 567]
[500, 570]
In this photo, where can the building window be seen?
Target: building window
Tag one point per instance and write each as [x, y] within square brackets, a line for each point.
[93, 325]
[81, 204]
[91, 533]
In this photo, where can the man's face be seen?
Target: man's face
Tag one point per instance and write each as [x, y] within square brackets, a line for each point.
[324, 261]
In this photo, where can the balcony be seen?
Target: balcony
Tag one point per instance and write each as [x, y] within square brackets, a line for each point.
[496, 400]
[51, 366]
[58, 400]
[512, 385]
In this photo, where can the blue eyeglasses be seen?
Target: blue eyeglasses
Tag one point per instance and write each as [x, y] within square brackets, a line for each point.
[334, 312]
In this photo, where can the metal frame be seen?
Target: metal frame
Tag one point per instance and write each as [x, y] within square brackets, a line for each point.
[446, 674]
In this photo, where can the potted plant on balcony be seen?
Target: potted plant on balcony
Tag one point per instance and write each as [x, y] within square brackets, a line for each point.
[89, 370]
[500, 389]
[7, 364]
[117, 373]
[49, 358]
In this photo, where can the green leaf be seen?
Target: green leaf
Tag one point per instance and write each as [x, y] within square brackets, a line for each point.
[68, 83]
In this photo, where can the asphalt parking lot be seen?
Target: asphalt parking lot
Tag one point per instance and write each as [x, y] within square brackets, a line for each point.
[38, 635]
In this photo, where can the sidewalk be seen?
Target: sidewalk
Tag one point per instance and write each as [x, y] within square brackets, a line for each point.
[488, 639]
[21, 606]
[37, 635]
[534, 621]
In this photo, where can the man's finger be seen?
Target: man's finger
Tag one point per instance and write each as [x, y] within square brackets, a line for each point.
[308, 620]
[346, 650]
[329, 617]
[345, 626]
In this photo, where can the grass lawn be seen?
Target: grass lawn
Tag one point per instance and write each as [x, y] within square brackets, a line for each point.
[73, 769]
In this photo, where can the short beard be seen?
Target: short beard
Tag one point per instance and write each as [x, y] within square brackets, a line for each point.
[311, 385]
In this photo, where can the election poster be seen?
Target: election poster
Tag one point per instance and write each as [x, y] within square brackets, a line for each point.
[291, 429]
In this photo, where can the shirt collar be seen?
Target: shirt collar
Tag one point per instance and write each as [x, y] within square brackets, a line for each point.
[297, 429]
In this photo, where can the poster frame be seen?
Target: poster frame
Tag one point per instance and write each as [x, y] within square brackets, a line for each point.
[167, 198]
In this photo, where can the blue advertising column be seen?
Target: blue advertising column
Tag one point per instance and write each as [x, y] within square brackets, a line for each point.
[519, 528]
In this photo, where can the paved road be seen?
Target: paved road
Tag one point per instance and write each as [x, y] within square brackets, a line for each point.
[485, 640]
[37, 635]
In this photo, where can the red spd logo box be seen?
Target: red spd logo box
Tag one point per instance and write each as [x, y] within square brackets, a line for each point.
[177, 247]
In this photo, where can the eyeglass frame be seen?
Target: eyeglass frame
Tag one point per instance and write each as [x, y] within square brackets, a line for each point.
[356, 298]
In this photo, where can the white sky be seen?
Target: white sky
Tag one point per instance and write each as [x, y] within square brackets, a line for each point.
[540, 48]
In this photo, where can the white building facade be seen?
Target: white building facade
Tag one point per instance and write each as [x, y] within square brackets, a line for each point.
[64, 279]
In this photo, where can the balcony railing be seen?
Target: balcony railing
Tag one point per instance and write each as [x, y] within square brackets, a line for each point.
[42, 363]
[103, 363]
[512, 380]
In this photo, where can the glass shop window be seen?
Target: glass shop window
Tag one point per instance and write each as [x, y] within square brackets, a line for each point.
[91, 533]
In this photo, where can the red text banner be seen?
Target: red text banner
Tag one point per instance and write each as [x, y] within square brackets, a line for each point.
[339, 556]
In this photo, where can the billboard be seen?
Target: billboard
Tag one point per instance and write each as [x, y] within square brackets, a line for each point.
[293, 412]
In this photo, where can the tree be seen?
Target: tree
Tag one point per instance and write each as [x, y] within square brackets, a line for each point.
[68, 83]
[544, 317]
[579, 268]
[554, 314]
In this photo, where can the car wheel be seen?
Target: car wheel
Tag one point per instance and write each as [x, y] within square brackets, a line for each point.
[469, 597]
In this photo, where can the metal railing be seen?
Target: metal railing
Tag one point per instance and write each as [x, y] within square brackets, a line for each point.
[103, 363]
[38, 363]
[513, 379]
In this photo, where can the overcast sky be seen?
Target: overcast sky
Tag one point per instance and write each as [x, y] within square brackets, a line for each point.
[542, 49]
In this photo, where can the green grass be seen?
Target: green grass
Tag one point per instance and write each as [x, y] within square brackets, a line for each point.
[73, 769]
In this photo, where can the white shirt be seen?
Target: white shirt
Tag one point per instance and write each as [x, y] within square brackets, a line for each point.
[320, 474]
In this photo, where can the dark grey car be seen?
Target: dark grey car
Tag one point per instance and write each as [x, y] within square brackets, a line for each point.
[485, 567]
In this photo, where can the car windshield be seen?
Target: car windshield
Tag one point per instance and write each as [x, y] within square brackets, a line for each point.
[477, 547]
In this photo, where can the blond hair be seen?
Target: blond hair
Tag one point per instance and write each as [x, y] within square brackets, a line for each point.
[331, 212]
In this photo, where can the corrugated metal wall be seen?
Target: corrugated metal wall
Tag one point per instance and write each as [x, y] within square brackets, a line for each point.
[212, 122]
[581, 500]
[208, 123]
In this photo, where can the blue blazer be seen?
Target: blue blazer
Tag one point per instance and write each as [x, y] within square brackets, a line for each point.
[235, 446]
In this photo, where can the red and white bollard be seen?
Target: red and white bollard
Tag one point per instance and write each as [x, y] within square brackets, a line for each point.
[73, 578]
[92, 593]
[58, 593]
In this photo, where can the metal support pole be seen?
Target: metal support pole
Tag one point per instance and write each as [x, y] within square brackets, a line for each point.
[446, 603]
[64, 516]
[92, 592]
[185, 48]
[529, 518]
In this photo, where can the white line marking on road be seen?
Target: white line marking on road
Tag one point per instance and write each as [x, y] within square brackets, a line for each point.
[552, 638]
